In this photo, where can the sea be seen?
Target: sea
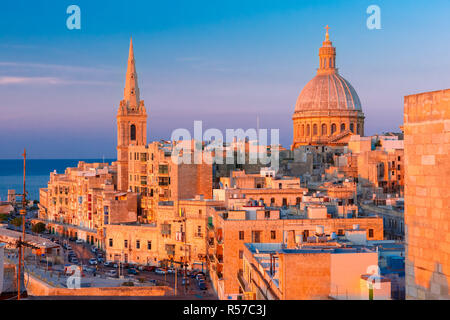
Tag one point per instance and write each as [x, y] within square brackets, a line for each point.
[37, 174]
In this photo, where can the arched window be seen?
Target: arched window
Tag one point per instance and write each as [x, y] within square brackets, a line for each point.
[314, 129]
[352, 127]
[303, 129]
[308, 130]
[358, 129]
[324, 129]
[342, 127]
[333, 128]
[133, 132]
[330, 63]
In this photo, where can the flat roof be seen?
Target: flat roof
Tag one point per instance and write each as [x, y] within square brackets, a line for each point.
[34, 240]
[267, 248]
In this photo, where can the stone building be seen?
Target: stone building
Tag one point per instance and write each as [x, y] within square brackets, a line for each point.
[427, 201]
[82, 200]
[254, 222]
[328, 110]
[313, 271]
[160, 180]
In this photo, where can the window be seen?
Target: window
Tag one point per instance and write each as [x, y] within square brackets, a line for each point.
[241, 235]
[358, 129]
[324, 129]
[370, 233]
[351, 127]
[149, 245]
[133, 132]
[125, 243]
[267, 214]
[284, 202]
[303, 129]
[241, 254]
[340, 232]
[314, 129]
[333, 128]
[200, 212]
[138, 244]
[256, 236]
[272, 201]
[273, 234]
[297, 200]
[110, 242]
[342, 127]
[308, 130]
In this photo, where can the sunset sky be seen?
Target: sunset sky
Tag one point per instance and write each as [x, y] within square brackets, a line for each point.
[221, 62]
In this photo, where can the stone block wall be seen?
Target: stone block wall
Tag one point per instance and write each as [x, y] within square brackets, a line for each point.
[427, 201]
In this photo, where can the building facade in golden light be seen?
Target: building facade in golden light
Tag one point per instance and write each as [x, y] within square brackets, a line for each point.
[427, 203]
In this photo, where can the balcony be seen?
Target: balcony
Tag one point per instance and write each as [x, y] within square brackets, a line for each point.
[242, 282]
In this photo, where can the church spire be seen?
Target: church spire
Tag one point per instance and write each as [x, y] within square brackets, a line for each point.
[327, 55]
[131, 92]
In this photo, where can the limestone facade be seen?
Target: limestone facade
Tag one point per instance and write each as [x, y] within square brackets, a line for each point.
[427, 201]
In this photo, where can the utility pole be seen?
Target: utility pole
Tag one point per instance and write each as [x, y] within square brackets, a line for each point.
[19, 269]
[23, 213]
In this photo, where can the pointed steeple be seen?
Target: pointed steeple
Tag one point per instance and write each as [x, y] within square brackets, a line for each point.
[327, 55]
[131, 92]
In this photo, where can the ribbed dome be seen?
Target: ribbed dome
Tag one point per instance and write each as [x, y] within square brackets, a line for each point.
[328, 92]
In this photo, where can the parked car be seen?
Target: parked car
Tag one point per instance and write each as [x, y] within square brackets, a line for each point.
[108, 264]
[74, 260]
[111, 273]
[185, 281]
[133, 271]
[92, 261]
[115, 265]
[68, 247]
[149, 268]
[79, 241]
[201, 285]
[100, 260]
[171, 270]
[160, 271]
[199, 277]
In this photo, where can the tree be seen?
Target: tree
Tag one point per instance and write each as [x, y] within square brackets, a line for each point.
[17, 221]
[38, 227]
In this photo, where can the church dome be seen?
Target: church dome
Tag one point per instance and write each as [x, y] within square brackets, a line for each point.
[328, 110]
[328, 92]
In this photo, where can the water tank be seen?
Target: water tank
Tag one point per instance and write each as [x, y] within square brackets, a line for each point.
[356, 227]
[320, 230]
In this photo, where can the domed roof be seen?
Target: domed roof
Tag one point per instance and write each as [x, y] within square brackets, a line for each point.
[328, 92]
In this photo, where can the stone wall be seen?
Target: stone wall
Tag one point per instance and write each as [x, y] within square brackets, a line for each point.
[37, 287]
[427, 202]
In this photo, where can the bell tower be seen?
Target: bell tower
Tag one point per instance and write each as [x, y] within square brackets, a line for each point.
[131, 121]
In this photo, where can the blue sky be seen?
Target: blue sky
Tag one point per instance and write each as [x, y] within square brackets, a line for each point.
[223, 62]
